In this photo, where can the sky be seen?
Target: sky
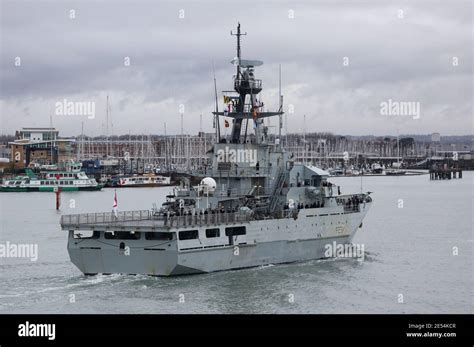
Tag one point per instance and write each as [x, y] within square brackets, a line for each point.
[341, 63]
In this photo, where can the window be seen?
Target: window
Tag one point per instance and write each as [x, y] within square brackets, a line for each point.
[88, 234]
[235, 231]
[159, 236]
[109, 235]
[213, 232]
[188, 235]
[122, 235]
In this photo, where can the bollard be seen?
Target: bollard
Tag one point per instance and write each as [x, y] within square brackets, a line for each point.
[57, 191]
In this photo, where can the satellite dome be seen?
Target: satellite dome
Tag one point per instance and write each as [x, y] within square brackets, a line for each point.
[208, 185]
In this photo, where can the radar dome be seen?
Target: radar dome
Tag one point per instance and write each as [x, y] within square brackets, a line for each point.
[208, 185]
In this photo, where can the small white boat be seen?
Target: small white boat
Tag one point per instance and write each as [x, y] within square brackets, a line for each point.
[143, 181]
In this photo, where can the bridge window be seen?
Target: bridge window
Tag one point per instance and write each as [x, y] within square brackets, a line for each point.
[213, 233]
[235, 231]
[188, 235]
[159, 236]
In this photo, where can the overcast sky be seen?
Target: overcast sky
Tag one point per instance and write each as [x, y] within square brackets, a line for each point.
[403, 51]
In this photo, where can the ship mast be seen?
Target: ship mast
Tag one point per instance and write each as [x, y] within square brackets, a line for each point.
[244, 105]
[238, 47]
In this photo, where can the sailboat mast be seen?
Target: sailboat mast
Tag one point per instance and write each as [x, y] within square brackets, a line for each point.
[398, 151]
[280, 101]
[216, 119]
[107, 129]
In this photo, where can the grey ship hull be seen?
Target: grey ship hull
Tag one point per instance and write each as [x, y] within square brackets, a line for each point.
[266, 242]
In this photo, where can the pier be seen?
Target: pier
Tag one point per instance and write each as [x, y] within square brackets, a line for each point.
[445, 174]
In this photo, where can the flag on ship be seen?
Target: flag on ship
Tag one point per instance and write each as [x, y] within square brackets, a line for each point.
[226, 123]
[227, 109]
[115, 205]
[254, 116]
[254, 113]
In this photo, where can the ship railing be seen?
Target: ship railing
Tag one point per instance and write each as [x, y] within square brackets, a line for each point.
[250, 84]
[75, 220]
[351, 208]
[352, 202]
[236, 192]
[194, 220]
[252, 171]
[233, 171]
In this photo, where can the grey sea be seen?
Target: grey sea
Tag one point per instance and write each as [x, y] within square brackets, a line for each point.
[418, 241]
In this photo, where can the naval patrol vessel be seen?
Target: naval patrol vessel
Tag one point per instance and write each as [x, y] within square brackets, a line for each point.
[255, 206]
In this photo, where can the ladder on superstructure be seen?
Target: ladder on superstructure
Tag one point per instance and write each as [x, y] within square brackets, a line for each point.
[278, 186]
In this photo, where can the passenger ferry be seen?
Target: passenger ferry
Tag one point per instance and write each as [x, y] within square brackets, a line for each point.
[48, 181]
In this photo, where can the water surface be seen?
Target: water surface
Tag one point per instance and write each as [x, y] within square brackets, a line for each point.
[408, 235]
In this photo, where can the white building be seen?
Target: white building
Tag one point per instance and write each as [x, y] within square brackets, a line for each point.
[37, 134]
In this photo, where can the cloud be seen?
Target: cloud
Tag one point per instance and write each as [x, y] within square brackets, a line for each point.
[171, 59]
